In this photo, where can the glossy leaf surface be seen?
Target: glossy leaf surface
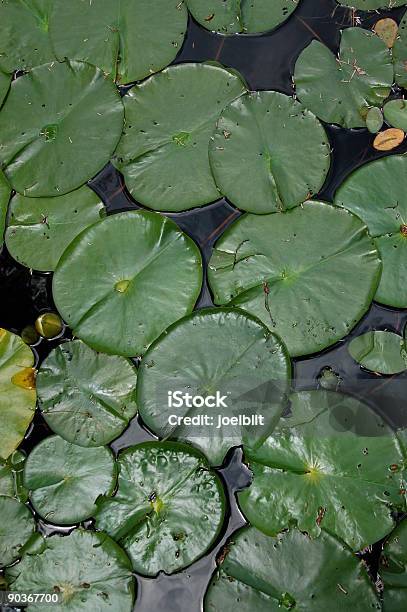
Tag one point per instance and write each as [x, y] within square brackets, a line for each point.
[258, 148]
[309, 273]
[130, 259]
[163, 152]
[86, 397]
[168, 509]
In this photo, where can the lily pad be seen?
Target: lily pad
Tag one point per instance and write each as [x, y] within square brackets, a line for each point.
[331, 464]
[87, 398]
[289, 571]
[16, 528]
[128, 40]
[59, 125]
[260, 143]
[65, 480]
[24, 38]
[371, 5]
[241, 16]
[87, 569]
[40, 229]
[377, 193]
[374, 120]
[395, 113]
[129, 259]
[394, 570]
[341, 89]
[17, 391]
[281, 267]
[380, 351]
[5, 192]
[387, 30]
[168, 509]
[400, 54]
[163, 152]
[11, 477]
[214, 351]
[388, 139]
[5, 80]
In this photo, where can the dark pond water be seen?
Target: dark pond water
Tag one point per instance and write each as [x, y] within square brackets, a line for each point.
[266, 62]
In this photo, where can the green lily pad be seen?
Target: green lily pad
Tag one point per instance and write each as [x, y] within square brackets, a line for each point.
[395, 113]
[40, 229]
[168, 126]
[259, 145]
[332, 464]
[24, 38]
[371, 5]
[400, 54]
[17, 391]
[87, 569]
[290, 571]
[374, 120]
[377, 193]
[16, 528]
[5, 80]
[65, 480]
[394, 570]
[380, 351]
[168, 509]
[87, 398]
[280, 268]
[11, 477]
[59, 125]
[214, 351]
[128, 40]
[342, 89]
[241, 16]
[5, 192]
[129, 259]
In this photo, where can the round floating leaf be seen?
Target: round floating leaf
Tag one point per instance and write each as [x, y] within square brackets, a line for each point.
[374, 120]
[16, 528]
[88, 398]
[380, 351]
[5, 192]
[11, 477]
[394, 570]
[241, 16]
[24, 38]
[387, 30]
[17, 391]
[65, 480]
[332, 463]
[289, 571]
[87, 569]
[40, 229]
[129, 259]
[129, 39]
[168, 509]
[388, 140]
[400, 54]
[281, 267]
[371, 5]
[214, 351]
[5, 80]
[342, 89]
[59, 125]
[377, 193]
[260, 143]
[395, 113]
[168, 126]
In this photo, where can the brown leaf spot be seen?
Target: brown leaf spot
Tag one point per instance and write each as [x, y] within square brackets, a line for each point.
[24, 378]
